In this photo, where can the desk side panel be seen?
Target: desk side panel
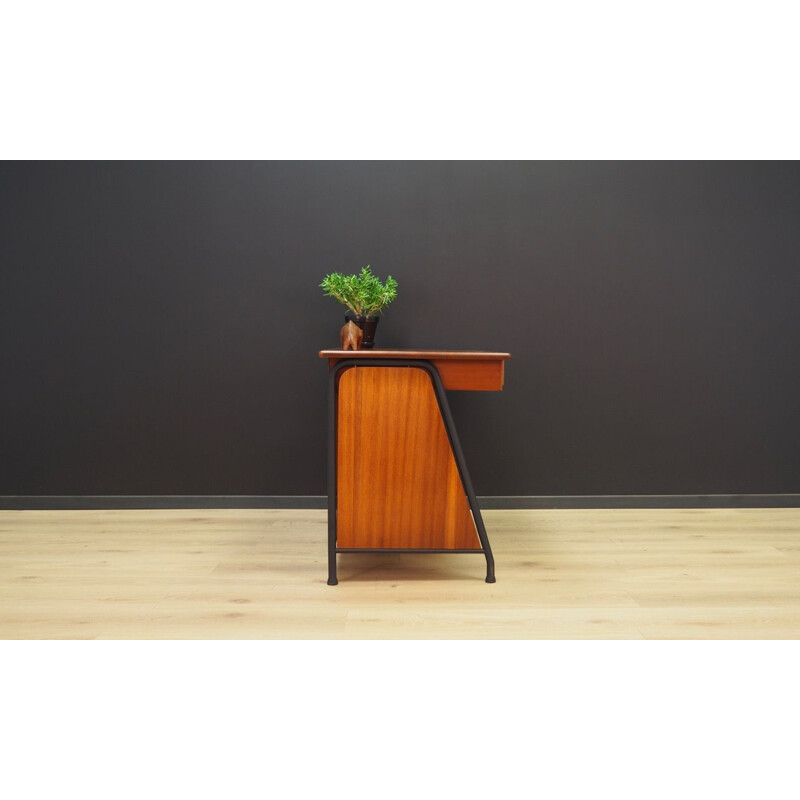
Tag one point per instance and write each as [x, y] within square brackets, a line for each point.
[397, 481]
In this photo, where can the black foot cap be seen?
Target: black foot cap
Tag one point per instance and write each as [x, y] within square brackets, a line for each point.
[491, 579]
[333, 582]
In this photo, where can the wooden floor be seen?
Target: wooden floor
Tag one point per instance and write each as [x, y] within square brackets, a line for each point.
[609, 574]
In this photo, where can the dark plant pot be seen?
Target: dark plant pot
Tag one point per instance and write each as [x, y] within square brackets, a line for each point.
[367, 325]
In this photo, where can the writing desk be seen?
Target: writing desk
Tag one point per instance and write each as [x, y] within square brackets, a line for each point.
[397, 477]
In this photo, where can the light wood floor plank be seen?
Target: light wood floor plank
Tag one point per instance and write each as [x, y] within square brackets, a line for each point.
[261, 574]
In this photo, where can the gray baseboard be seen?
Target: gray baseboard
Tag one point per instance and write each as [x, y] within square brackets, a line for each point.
[644, 501]
[44, 502]
[111, 501]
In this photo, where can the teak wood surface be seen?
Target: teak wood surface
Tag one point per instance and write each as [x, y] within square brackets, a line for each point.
[467, 370]
[398, 484]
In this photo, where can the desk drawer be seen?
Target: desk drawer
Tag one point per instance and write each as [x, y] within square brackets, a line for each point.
[477, 375]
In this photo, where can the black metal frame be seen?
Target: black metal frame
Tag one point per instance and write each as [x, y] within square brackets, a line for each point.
[455, 446]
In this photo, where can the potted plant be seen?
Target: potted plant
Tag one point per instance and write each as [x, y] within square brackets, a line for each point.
[364, 295]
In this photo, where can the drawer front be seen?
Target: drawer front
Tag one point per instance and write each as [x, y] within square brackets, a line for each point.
[479, 375]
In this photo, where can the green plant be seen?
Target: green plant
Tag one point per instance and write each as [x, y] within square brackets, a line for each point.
[363, 294]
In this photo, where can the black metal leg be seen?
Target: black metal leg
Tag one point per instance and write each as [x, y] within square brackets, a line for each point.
[490, 578]
[332, 579]
[461, 463]
[332, 503]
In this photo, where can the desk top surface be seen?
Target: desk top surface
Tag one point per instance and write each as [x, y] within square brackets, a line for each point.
[426, 355]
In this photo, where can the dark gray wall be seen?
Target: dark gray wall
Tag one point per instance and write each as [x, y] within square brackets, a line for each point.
[160, 321]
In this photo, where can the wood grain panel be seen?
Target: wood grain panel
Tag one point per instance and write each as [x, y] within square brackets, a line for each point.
[397, 480]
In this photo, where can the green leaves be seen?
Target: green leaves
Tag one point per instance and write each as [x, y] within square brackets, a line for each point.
[363, 294]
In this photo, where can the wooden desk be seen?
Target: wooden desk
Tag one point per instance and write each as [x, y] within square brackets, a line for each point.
[397, 478]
